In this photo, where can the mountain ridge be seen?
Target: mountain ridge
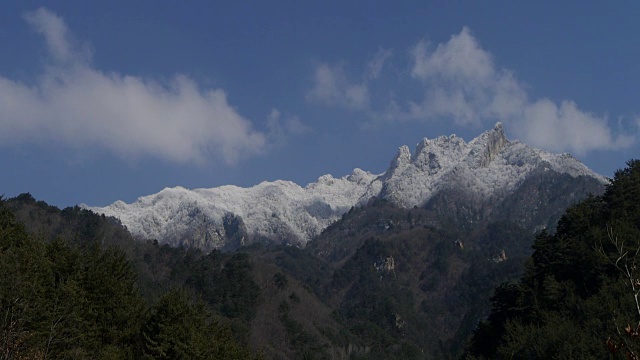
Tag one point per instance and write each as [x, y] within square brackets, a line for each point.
[486, 168]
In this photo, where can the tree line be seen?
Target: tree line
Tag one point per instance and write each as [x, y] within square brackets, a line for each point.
[63, 300]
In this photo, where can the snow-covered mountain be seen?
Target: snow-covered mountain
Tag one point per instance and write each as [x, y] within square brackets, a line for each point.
[279, 210]
[488, 168]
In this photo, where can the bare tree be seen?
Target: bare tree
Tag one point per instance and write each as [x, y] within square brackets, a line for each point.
[625, 260]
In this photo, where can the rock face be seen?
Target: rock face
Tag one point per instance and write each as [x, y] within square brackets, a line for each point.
[387, 264]
[465, 181]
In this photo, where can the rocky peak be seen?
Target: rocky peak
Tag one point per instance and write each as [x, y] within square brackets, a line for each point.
[402, 159]
[326, 180]
[431, 155]
[426, 158]
[359, 176]
[485, 147]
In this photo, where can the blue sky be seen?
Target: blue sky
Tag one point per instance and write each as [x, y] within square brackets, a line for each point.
[100, 102]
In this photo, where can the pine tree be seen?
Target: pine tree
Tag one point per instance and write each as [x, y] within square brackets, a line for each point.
[25, 271]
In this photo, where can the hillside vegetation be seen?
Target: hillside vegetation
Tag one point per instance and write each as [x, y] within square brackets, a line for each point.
[381, 283]
[75, 286]
[579, 295]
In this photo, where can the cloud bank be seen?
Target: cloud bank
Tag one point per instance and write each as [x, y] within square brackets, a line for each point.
[459, 82]
[78, 106]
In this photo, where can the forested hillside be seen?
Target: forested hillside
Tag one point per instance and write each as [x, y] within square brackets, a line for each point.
[579, 295]
[68, 290]
[381, 283]
[394, 281]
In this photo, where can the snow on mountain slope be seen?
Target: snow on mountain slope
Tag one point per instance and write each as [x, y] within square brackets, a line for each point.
[487, 166]
[276, 210]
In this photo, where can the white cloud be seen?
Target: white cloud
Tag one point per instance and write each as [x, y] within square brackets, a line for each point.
[461, 83]
[558, 127]
[374, 67]
[55, 33]
[357, 96]
[461, 59]
[281, 128]
[331, 87]
[78, 106]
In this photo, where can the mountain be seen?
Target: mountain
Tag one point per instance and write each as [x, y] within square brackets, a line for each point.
[279, 210]
[466, 182]
[383, 281]
[489, 166]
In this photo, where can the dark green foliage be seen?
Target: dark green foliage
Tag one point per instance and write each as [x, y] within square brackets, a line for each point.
[62, 299]
[504, 235]
[25, 275]
[228, 286]
[302, 265]
[303, 344]
[621, 197]
[575, 299]
[388, 314]
[181, 329]
[92, 301]
[280, 280]
[240, 292]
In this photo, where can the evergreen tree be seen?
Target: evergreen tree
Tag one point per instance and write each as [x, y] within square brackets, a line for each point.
[579, 295]
[181, 329]
[63, 294]
[25, 272]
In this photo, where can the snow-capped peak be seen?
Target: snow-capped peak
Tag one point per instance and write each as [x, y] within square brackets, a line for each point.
[489, 165]
[485, 147]
[402, 159]
[280, 210]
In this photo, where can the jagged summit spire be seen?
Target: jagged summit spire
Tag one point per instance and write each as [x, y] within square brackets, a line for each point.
[496, 134]
[485, 147]
[403, 157]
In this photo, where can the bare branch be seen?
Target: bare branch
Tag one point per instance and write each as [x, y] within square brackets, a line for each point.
[626, 264]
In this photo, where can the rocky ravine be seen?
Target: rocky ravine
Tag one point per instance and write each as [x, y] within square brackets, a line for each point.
[488, 168]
